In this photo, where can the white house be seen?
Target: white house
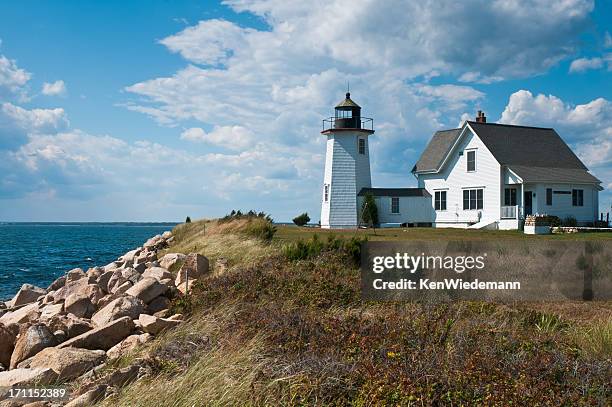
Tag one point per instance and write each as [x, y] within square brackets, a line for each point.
[482, 175]
[492, 175]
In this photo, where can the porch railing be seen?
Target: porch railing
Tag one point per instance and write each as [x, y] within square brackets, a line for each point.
[509, 212]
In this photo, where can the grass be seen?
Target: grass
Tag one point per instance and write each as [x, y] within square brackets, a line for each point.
[286, 233]
[279, 331]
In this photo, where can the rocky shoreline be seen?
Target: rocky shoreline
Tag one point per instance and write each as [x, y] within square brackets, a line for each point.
[70, 330]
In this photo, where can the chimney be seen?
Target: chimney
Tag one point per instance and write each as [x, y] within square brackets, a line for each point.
[481, 118]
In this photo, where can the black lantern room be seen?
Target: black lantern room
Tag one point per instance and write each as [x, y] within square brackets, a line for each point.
[348, 117]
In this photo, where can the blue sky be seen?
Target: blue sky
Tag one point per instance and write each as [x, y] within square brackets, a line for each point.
[155, 110]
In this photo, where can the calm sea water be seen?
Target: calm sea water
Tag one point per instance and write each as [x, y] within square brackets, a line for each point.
[38, 253]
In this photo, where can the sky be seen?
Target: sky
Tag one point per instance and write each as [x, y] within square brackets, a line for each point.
[158, 110]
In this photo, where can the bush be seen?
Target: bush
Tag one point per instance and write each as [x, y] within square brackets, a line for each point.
[263, 230]
[570, 221]
[308, 249]
[302, 219]
[369, 211]
[553, 221]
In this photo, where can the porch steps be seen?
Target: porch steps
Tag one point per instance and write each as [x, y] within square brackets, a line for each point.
[485, 224]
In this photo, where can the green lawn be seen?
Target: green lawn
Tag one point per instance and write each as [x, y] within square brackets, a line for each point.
[291, 233]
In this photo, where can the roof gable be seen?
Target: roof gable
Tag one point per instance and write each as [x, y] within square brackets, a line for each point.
[437, 149]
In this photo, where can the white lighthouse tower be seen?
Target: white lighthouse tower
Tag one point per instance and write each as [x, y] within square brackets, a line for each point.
[347, 164]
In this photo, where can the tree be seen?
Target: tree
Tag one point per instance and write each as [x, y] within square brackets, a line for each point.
[188, 220]
[369, 211]
[302, 219]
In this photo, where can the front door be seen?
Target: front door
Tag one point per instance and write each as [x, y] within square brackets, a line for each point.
[528, 202]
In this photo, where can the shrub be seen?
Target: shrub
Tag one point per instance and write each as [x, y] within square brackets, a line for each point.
[554, 221]
[308, 249]
[262, 229]
[188, 220]
[570, 221]
[369, 210]
[302, 219]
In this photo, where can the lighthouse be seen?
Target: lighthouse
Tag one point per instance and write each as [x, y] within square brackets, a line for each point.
[347, 164]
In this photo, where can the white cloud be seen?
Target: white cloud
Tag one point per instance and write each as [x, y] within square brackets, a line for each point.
[231, 137]
[11, 76]
[584, 64]
[35, 120]
[54, 89]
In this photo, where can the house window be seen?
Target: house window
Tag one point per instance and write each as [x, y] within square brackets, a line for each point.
[361, 146]
[549, 193]
[326, 192]
[440, 200]
[472, 199]
[510, 197]
[577, 197]
[395, 205]
[471, 161]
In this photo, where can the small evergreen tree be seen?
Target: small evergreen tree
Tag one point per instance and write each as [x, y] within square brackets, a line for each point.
[302, 219]
[369, 211]
[188, 220]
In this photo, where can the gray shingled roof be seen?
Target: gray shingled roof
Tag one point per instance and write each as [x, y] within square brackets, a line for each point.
[534, 153]
[547, 174]
[394, 192]
[436, 150]
[529, 146]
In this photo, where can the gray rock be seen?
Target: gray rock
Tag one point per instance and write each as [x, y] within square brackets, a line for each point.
[157, 272]
[27, 294]
[24, 377]
[30, 341]
[51, 310]
[60, 336]
[8, 336]
[57, 284]
[123, 306]
[26, 313]
[79, 305]
[104, 337]
[89, 398]
[68, 363]
[154, 325]
[70, 324]
[158, 304]
[147, 289]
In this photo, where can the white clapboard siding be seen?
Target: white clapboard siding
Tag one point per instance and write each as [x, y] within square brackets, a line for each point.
[412, 209]
[562, 203]
[347, 172]
[454, 178]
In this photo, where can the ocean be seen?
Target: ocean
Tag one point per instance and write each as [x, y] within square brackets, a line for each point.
[38, 253]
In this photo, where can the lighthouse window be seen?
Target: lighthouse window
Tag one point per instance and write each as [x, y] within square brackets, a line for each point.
[326, 192]
[361, 146]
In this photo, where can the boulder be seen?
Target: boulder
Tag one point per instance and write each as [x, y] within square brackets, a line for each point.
[158, 304]
[89, 398]
[147, 289]
[121, 377]
[122, 289]
[25, 377]
[103, 279]
[75, 287]
[27, 294]
[154, 325]
[124, 306]
[115, 281]
[131, 275]
[167, 234]
[176, 317]
[57, 284]
[68, 363]
[129, 256]
[70, 324]
[60, 336]
[184, 289]
[154, 242]
[140, 268]
[50, 310]
[157, 272]
[26, 313]
[8, 336]
[75, 274]
[195, 266]
[30, 341]
[95, 272]
[104, 337]
[171, 259]
[113, 266]
[79, 305]
[128, 344]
